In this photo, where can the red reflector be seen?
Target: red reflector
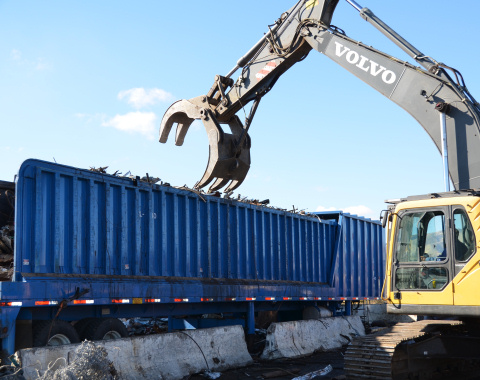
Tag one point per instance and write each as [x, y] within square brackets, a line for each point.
[181, 299]
[83, 302]
[121, 301]
[43, 303]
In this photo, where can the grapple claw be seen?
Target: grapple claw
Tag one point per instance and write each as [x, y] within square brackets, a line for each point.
[184, 114]
[229, 153]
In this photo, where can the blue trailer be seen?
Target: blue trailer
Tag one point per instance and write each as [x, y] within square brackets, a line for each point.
[90, 248]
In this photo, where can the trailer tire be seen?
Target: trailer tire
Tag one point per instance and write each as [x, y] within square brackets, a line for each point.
[81, 325]
[105, 329]
[53, 333]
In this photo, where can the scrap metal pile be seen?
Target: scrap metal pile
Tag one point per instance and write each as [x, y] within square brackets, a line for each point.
[201, 193]
[7, 208]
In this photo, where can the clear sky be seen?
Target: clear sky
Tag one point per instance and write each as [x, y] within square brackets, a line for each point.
[86, 83]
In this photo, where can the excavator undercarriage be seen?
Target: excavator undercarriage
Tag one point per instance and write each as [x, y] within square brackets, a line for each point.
[428, 349]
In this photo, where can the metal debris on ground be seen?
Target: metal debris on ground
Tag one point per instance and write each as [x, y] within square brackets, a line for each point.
[280, 373]
[211, 375]
[312, 375]
[10, 372]
[89, 363]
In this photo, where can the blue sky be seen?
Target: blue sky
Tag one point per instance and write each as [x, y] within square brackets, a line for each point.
[86, 83]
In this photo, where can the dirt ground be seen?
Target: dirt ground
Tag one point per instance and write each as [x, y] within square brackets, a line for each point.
[286, 369]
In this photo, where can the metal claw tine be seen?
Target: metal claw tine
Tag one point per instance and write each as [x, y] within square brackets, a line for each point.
[218, 184]
[182, 130]
[233, 185]
[206, 179]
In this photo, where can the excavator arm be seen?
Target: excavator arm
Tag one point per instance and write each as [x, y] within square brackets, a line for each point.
[429, 94]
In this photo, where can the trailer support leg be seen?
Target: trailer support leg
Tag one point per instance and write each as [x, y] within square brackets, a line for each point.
[348, 308]
[251, 319]
[250, 325]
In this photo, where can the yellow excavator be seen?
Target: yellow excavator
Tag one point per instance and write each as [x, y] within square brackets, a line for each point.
[433, 263]
[433, 270]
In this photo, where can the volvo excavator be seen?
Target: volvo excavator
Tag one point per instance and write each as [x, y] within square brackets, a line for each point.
[433, 266]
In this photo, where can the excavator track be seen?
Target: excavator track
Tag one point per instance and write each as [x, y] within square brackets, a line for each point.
[377, 356]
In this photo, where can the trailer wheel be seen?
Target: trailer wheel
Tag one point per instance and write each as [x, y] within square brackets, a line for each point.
[105, 329]
[53, 333]
[81, 325]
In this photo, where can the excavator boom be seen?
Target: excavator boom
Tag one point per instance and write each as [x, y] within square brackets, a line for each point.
[429, 94]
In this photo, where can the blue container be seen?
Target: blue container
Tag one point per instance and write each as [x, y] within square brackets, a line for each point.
[360, 256]
[74, 221]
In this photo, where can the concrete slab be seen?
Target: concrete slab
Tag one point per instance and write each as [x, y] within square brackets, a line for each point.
[164, 356]
[300, 338]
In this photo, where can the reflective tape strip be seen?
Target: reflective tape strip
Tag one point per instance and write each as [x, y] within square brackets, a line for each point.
[250, 299]
[83, 302]
[303, 298]
[181, 299]
[206, 299]
[45, 303]
[230, 299]
[287, 298]
[153, 300]
[121, 301]
[10, 304]
[269, 298]
[317, 298]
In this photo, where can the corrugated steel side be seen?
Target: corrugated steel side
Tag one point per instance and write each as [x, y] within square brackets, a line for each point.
[72, 221]
[360, 260]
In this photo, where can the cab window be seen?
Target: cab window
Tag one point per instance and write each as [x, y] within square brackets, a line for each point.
[464, 236]
[421, 237]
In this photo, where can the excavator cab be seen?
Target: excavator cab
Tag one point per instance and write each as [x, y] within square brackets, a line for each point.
[431, 254]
